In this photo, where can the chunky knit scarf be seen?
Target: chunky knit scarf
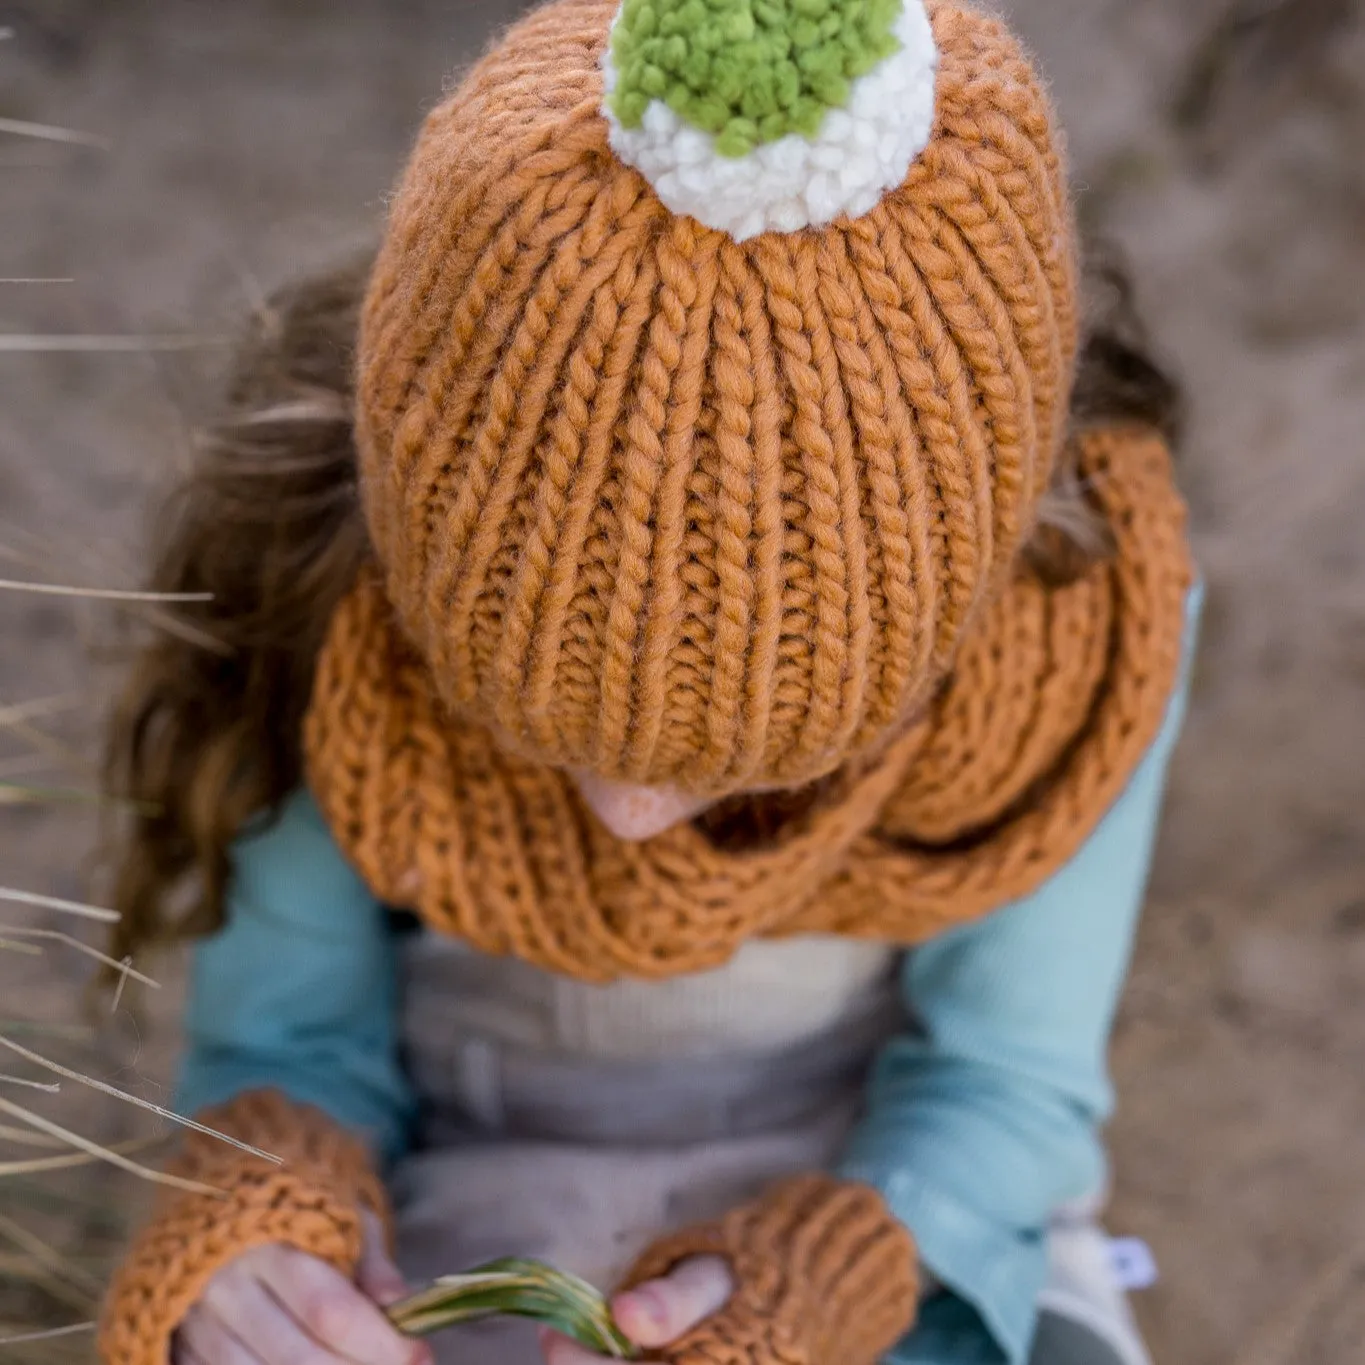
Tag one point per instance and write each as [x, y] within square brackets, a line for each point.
[1056, 693]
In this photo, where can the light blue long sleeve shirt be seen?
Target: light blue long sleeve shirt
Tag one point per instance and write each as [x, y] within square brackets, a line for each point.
[979, 1125]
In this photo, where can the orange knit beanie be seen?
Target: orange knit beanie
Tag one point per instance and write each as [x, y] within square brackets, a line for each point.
[699, 480]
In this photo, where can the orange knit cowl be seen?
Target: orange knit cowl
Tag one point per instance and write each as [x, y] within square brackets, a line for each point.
[1053, 699]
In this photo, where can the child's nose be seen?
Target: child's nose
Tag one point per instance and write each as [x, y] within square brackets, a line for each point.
[635, 813]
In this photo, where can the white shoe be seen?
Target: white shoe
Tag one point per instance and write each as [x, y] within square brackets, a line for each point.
[1083, 1313]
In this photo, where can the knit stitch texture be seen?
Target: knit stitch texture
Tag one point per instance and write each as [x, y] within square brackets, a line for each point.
[839, 164]
[746, 72]
[823, 1273]
[312, 1201]
[678, 509]
[1056, 694]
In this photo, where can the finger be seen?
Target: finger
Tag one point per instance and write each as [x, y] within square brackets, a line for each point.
[660, 1311]
[335, 1314]
[204, 1339]
[376, 1274]
[269, 1329]
[560, 1350]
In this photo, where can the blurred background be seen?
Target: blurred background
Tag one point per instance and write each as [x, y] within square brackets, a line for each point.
[164, 163]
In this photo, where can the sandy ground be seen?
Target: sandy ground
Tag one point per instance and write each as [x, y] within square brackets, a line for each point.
[253, 140]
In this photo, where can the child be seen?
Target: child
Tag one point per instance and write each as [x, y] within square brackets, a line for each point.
[671, 762]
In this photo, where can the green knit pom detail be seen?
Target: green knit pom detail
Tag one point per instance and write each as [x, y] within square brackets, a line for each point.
[746, 71]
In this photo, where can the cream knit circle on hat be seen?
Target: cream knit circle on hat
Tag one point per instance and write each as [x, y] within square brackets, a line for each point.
[861, 147]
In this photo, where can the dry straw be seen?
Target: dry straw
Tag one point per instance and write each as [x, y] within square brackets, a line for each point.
[52, 1291]
[54, 1287]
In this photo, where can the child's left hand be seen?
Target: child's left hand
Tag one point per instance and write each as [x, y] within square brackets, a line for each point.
[657, 1312]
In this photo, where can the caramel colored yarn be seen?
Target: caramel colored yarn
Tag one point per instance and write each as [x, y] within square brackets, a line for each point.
[681, 510]
[1056, 694]
[824, 1273]
[312, 1201]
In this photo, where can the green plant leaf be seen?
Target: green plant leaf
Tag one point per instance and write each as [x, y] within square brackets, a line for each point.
[514, 1287]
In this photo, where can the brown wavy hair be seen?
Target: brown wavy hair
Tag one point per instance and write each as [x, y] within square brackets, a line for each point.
[207, 734]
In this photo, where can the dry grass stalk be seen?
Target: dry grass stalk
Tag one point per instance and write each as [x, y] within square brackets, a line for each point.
[99, 594]
[101, 1153]
[37, 708]
[50, 132]
[37, 1059]
[48, 1334]
[124, 968]
[43, 1164]
[21, 1137]
[55, 343]
[53, 1328]
[47, 1087]
[67, 907]
[152, 608]
[50, 1258]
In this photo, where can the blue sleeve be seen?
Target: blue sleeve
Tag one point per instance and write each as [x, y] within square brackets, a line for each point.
[299, 989]
[986, 1119]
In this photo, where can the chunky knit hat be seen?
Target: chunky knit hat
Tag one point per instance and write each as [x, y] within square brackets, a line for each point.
[715, 360]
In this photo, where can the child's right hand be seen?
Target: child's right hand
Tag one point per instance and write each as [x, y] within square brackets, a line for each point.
[274, 1305]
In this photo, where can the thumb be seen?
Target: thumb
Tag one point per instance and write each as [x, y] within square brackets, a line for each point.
[659, 1311]
[376, 1276]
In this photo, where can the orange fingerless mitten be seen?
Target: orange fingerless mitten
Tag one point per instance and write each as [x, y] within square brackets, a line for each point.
[824, 1275]
[312, 1201]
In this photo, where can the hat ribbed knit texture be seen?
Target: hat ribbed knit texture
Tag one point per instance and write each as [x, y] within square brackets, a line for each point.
[683, 510]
